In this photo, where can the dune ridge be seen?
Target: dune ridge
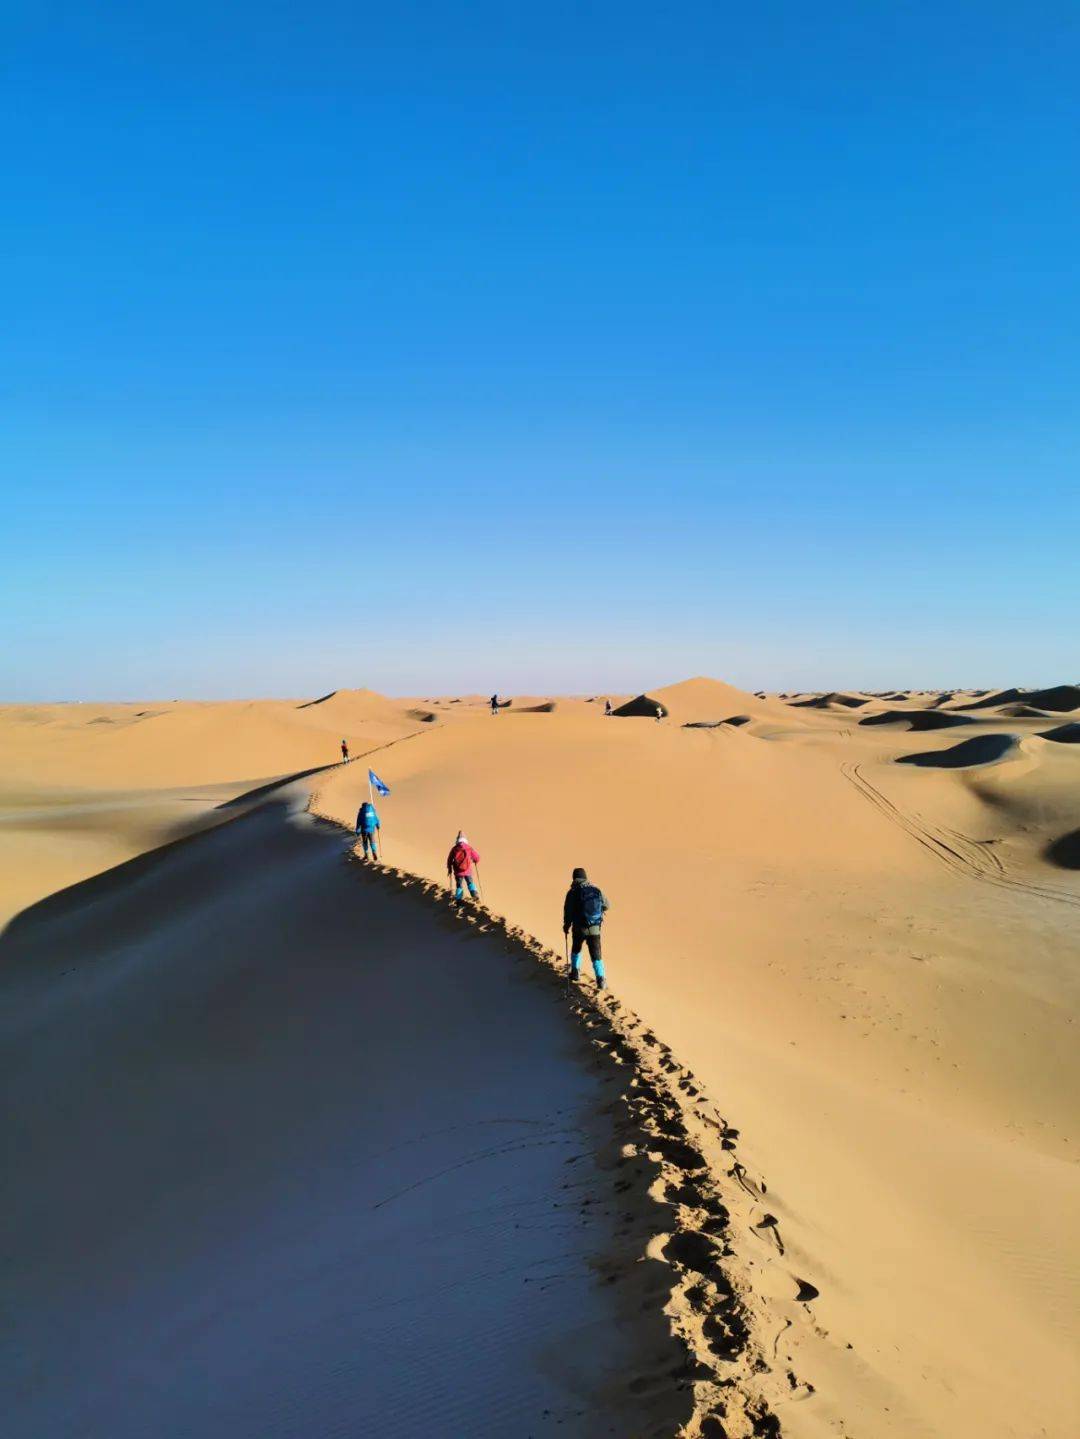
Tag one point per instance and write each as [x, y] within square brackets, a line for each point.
[673, 1143]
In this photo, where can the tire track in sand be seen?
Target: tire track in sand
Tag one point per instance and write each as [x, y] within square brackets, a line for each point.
[958, 852]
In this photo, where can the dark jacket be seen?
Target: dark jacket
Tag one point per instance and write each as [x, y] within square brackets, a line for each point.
[571, 910]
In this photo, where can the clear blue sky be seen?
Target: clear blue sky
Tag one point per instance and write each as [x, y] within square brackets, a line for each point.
[552, 346]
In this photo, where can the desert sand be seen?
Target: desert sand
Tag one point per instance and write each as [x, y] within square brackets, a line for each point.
[835, 1085]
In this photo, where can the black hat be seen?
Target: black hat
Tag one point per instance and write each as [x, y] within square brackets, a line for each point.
[579, 873]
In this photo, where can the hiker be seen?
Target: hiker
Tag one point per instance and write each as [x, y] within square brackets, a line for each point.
[659, 714]
[367, 825]
[344, 751]
[582, 916]
[459, 863]
[607, 707]
[494, 704]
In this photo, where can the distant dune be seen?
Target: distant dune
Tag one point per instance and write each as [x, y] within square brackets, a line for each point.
[827, 701]
[1057, 698]
[916, 719]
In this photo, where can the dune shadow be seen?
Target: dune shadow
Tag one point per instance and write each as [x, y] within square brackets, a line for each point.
[119, 881]
[821, 702]
[271, 785]
[640, 707]
[735, 721]
[979, 750]
[1056, 697]
[1063, 734]
[918, 719]
[1065, 851]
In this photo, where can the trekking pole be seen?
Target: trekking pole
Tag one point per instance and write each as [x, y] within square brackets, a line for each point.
[479, 886]
[566, 949]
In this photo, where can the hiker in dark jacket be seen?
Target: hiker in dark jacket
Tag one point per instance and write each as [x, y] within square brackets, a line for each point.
[583, 914]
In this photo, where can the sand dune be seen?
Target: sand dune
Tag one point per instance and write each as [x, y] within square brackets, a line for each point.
[980, 749]
[831, 701]
[917, 719]
[224, 1215]
[697, 700]
[855, 977]
[1063, 734]
[1057, 698]
[83, 787]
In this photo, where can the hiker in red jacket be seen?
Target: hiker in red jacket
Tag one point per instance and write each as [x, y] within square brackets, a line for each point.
[459, 863]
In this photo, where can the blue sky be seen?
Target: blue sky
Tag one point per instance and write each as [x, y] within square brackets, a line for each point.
[552, 347]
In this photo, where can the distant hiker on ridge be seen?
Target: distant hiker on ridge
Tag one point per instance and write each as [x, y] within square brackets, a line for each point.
[459, 863]
[659, 714]
[582, 915]
[607, 707]
[344, 751]
[495, 704]
[367, 825]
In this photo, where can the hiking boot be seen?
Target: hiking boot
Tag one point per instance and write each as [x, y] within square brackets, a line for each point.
[601, 984]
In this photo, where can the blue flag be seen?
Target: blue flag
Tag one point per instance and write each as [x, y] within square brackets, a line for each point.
[376, 783]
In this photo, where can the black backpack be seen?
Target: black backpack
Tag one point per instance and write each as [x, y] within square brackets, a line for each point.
[589, 904]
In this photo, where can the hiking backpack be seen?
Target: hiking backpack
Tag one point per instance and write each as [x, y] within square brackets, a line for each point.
[590, 905]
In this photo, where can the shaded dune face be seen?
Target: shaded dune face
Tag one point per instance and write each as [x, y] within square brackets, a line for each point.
[286, 1158]
[980, 750]
[1065, 852]
[917, 720]
[640, 707]
[735, 721]
[1058, 698]
[1021, 711]
[820, 702]
[1063, 734]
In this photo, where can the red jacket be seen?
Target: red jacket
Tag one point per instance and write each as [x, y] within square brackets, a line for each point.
[461, 859]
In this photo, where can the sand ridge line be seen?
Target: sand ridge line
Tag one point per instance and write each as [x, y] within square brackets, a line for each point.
[665, 1128]
[963, 855]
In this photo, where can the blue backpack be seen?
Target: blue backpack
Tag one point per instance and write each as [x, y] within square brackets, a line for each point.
[368, 817]
[590, 904]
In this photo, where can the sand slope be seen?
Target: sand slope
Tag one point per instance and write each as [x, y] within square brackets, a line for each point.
[260, 1186]
[855, 982]
[869, 966]
[83, 787]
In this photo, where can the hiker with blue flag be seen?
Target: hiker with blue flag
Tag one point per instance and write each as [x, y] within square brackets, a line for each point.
[368, 824]
[367, 827]
[583, 915]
